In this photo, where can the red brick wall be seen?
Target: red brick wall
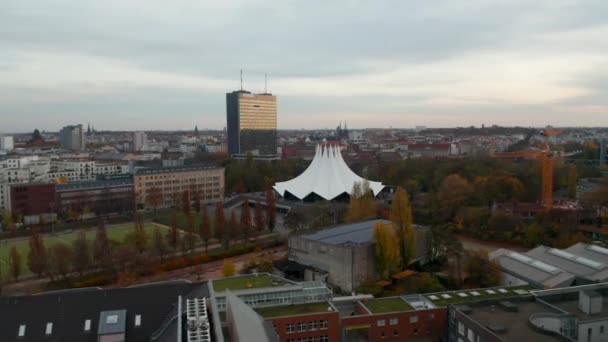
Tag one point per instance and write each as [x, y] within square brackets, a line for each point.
[332, 331]
[32, 199]
[432, 322]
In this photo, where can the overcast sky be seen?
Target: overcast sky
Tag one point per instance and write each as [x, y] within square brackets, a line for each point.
[158, 64]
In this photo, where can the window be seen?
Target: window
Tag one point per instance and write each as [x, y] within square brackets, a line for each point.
[383, 335]
[49, 328]
[461, 328]
[413, 319]
[323, 324]
[137, 320]
[415, 331]
[301, 326]
[21, 332]
[381, 322]
[395, 333]
[290, 328]
[87, 325]
[112, 319]
[394, 321]
[471, 335]
[314, 325]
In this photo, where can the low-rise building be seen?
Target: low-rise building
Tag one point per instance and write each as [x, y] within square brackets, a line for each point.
[99, 196]
[163, 187]
[566, 314]
[343, 255]
[547, 267]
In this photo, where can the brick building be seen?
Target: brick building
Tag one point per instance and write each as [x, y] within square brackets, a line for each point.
[32, 199]
[100, 196]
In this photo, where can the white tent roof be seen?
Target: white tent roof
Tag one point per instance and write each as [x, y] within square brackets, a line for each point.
[327, 176]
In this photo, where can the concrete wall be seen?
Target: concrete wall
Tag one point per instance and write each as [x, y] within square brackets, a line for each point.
[348, 266]
[593, 331]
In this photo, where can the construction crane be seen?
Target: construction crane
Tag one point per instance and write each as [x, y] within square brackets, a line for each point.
[545, 157]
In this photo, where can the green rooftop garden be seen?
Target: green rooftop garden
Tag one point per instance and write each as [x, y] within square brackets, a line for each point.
[291, 310]
[477, 294]
[246, 282]
[391, 304]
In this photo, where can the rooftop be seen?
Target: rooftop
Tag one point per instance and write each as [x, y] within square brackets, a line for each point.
[390, 304]
[511, 325]
[291, 310]
[184, 168]
[358, 232]
[71, 311]
[94, 184]
[465, 296]
[258, 280]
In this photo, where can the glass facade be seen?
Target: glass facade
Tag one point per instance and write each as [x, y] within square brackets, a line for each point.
[251, 123]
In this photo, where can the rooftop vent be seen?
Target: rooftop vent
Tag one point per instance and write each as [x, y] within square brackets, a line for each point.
[508, 306]
[590, 302]
[496, 327]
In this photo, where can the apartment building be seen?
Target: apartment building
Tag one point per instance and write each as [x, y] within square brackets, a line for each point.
[163, 187]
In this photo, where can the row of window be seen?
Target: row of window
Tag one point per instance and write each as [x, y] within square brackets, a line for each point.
[395, 320]
[323, 338]
[87, 327]
[306, 326]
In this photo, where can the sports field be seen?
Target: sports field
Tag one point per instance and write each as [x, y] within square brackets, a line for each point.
[115, 233]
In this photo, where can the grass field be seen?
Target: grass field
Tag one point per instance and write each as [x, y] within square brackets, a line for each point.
[387, 305]
[244, 282]
[115, 233]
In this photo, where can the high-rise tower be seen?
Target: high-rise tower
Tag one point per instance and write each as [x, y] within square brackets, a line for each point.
[252, 123]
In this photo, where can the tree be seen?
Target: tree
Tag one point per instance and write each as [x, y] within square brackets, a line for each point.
[140, 237]
[102, 255]
[82, 255]
[7, 219]
[196, 197]
[271, 209]
[354, 205]
[439, 241]
[231, 229]
[186, 202]
[401, 217]
[36, 257]
[260, 220]
[386, 249]
[228, 268]
[154, 198]
[572, 181]
[481, 271]
[453, 192]
[361, 205]
[245, 221]
[60, 260]
[205, 230]
[220, 223]
[14, 262]
[265, 265]
[533, 235]
[160, 248]
[456, 254]
[173, 234]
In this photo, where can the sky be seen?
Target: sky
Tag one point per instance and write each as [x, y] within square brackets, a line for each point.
[157, 64]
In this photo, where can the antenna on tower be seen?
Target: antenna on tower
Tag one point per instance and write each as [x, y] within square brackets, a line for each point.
[265, 83]
[241, 79]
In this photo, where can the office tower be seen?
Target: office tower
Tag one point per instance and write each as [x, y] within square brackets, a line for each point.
[6, 143]
[72, 137]
[139, 140]
[252, 123]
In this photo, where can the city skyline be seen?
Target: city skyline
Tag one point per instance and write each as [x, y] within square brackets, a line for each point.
[146, 66]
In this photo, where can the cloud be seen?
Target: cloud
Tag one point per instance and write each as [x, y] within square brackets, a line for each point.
[433, 63]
